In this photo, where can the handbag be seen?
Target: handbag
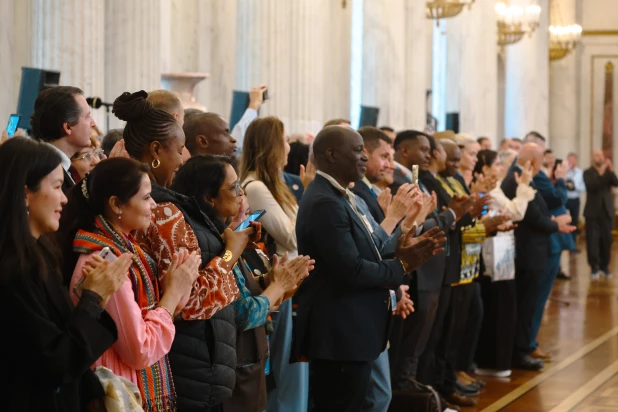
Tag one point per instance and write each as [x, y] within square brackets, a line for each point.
[121, 395]
[421, 398]
[499, 257]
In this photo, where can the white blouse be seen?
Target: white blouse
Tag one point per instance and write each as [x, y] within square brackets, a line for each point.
[516, 207]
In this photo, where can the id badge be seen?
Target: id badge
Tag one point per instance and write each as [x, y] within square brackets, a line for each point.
[393, 300]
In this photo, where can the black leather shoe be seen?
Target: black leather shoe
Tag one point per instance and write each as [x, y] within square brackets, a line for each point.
[529, 363]
[466, 390]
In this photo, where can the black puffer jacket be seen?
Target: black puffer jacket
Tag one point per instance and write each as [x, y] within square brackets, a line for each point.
[203, 355]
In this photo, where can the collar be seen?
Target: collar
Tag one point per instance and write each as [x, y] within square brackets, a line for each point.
[347, 193]
[376, 189]
[65, 161]
[367, 182]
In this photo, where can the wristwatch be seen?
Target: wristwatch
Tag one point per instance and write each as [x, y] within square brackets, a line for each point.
[227, 256]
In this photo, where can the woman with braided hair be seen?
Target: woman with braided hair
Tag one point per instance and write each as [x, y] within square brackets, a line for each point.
[103, 210]
[203, 355]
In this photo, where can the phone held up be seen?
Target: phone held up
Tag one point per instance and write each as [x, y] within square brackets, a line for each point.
[415, 174]
[253, 217]
[11, 126]
[107, 255]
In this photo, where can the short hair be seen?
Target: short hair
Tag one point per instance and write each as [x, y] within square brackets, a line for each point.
[109, 141]
[190, 112]
[336, 122]
[481, 139]
[517, 139]
[548, 151]
[299, 155]
[372, 136]
[572, 154]
[406, 135]
[52, 109]
[193, 127]
[506, 154]
[536, 136]
[165, 100]
[463, 139]
[387, 129]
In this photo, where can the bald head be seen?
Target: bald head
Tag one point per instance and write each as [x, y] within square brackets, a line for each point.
[338, 151]
[208, 133]
[533, 153]
[453, 157]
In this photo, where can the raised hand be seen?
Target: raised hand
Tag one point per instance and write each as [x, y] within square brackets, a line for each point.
[483, 184]
[415, 251]
[119, 150]
[105, 278]
[561, 171]
[384, 200]
[478, 203]
[403, 201]
[461, 205]
[256, 96]
[493, 223]
[240, 216]
[307, 174]
[526, 174]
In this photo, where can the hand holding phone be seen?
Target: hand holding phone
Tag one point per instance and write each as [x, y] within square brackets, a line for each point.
[11, 126]
[253, 217]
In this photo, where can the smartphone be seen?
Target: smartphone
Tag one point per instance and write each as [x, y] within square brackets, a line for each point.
[253, 217]
[11, 126]
[107, 254]
[415, 174]
[265, 94]
[486, 207]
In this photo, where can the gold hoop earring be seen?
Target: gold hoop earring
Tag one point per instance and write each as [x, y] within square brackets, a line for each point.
[158, 163]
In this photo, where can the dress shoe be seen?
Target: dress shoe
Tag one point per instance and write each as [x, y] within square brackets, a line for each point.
[539, 354]
[466, 390]
[529, 363]
[447, 406]
[493, 373]
[460, 400]
[477, 382]
[563, 276]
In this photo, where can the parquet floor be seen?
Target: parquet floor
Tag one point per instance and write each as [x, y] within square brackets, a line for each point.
[580, 329]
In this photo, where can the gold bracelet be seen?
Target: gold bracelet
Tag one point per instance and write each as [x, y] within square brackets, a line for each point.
[167, 310]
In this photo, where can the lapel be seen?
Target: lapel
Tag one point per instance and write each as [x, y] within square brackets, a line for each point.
[351, 213]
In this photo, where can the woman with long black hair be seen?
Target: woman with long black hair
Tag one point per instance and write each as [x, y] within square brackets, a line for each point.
[49, 344]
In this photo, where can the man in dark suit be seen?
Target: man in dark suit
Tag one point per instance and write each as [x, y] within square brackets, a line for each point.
[410, 336]
[599, 212]
[344, 309]
[411, 148]
[377, 149]
[62, 119]
[532, 244]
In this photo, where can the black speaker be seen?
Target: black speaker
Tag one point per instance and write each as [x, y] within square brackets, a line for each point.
[369, 116]
[452, 122]
[33, 82]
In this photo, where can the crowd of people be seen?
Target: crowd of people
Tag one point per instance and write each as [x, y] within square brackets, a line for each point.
[180, 264]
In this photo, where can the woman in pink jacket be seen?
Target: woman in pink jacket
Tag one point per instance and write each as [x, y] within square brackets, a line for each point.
[102, 212]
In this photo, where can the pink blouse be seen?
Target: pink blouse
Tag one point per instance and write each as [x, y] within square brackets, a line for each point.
[141, 340]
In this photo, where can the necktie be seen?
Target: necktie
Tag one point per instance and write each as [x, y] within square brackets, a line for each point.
[74, 174]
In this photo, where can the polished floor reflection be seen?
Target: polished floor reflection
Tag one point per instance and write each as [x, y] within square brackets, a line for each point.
[581, 332]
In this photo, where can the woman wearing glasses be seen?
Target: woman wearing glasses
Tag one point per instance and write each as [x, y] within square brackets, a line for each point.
[85, 160]
[203, 354]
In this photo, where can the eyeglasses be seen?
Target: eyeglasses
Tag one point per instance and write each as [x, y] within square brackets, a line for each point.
[88, 157]
[235, 188]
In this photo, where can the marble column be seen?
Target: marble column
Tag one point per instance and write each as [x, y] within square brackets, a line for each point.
[281, 44]
[563, 90]
[68, 36]
[527, 80]
[467, 82]
[137, 46]
[395, 51]
[8, 97]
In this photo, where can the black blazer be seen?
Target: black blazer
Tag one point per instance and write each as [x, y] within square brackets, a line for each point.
[362, 190]
[431, 275]
[532, 233]
[343, 310]
[600, 199]
[49, 345]
[68, 183]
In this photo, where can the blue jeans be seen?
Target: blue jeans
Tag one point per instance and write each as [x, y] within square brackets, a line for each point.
[379, 394]
[545, 284]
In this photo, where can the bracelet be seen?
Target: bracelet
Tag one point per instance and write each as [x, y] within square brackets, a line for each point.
[262, 282]
[404, 265]
[167, 310]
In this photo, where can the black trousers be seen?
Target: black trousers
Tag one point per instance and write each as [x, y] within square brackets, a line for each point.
[573, 206]
[409, 338]
[338, 386]
[470, 339]
[599, 242]
[527, 283]
[438, 368]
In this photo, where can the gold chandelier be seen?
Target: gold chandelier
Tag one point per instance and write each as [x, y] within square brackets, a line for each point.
[563, 39]
[444, 9]
[515, 22]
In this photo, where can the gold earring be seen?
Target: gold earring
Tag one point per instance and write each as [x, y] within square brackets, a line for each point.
[158, 163]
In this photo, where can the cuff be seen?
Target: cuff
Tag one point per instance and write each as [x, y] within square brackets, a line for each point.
[91, 303]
